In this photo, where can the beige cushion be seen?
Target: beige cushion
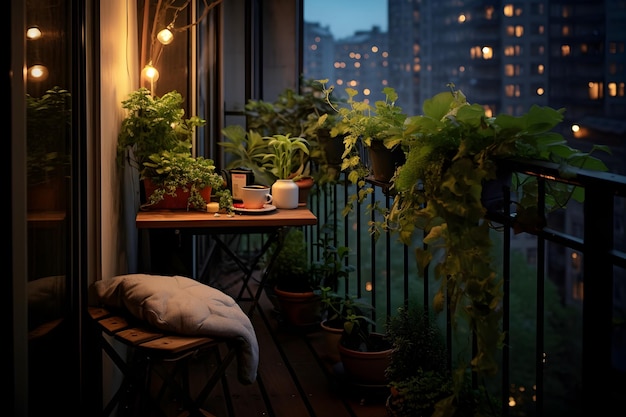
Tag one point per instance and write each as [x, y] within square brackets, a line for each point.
[185, 306]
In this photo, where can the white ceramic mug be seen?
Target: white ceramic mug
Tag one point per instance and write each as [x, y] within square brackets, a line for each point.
[255, 196]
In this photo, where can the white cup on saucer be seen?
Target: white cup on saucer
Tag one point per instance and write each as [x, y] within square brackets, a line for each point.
[255, 196]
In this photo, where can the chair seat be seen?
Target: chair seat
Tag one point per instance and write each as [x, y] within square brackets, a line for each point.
[151, 353]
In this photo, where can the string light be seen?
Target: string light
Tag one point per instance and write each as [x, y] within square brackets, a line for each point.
[150, 73]
[37, 73]
[33, 33]
[166, 36]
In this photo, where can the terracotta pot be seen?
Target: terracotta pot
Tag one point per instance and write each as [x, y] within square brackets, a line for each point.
[365, 368]
[299, 308]
[332, 335]
[169, 202]
[47, 196]
[304, 190]
[383, 161]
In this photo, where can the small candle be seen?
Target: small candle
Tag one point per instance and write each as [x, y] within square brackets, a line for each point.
[213, 207]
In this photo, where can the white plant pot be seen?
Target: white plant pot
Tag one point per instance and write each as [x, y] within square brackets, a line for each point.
[285, 194]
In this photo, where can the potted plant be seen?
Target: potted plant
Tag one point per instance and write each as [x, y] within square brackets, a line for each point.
[292, 282]
[365, 354]
[246, 150]
[176, 179]
[452, 150]
[47, 141]
[376, 128]
[305, 114]
[420, 381]
[336, 311]
[153, 124]
[331, 268]
[285, 160]
[418, 373]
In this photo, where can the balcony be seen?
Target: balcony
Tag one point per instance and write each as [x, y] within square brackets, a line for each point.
[564, 293]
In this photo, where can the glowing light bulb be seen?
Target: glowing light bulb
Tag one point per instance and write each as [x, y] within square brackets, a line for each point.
[150, 73]
[33, 33]
[165, 36]
[37, 73]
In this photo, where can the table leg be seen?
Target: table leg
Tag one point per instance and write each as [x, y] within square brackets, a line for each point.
[249, 267]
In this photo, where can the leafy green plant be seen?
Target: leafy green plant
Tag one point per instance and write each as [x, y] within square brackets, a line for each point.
[361, 125]
[290, 268]
[417, 344]
[176, 170]
[306, 114]
[332, 264]
[247, 149]
[47, 134]
[153, 124]
[286, 156]
[452, 150]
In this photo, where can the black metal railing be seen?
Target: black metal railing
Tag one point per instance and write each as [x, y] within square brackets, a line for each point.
[565, 344]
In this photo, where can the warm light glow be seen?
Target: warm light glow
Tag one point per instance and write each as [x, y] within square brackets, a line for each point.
[150, 73]
[595, 90]
[368, 286]
[165, 36]
[461, 18]
[37, 73]
[565, 50]
[540, 91]
[487, 52]
[33, 33]
[575, 128]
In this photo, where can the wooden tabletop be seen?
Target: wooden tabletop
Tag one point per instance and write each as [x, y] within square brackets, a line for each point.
[181, 219]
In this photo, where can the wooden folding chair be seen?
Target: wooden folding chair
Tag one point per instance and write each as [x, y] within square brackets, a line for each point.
[153, 354]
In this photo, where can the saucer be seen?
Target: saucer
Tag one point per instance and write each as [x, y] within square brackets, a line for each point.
[266, 209]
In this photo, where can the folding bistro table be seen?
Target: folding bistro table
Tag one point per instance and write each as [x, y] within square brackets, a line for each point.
[272, 224]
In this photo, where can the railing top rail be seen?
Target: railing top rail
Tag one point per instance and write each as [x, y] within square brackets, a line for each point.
[581, 177]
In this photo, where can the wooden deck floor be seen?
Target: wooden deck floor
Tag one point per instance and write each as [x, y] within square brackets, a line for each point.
[294, 378]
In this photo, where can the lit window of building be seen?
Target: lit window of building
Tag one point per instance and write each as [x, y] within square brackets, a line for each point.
[489, 12]
[565, 50]
[595, 90]
[612, 89]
